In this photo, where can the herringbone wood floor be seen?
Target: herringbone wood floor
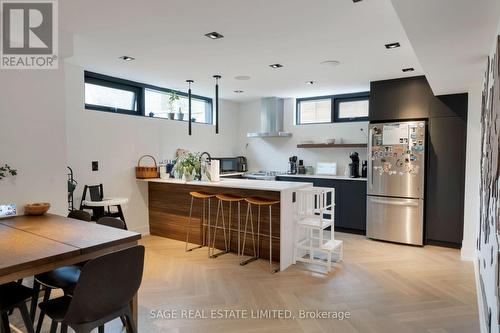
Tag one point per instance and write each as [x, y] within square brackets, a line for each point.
[385, 287]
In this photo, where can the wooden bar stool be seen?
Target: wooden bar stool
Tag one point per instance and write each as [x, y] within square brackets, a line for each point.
[205, 197]
[259, 202]
[220, 206]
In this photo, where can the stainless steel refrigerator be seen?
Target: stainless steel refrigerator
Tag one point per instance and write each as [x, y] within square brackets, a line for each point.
[396, 173]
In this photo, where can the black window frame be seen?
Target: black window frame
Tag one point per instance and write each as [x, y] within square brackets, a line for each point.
[339, 100]
[315, 98]
[335, 101]
[139, 89]
[115, 84]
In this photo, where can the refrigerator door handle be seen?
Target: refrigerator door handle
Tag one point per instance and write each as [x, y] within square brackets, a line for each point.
[394, 203]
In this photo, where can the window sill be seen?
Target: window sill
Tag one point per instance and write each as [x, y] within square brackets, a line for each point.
[142, 116]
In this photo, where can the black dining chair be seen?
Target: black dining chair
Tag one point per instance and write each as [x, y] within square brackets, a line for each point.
[64, 278]
[96, 193]
[112, 222]
[14, 295]
[80, 215]
[118, 224]
[106, 287]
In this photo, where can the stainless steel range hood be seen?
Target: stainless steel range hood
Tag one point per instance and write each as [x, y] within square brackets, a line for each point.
[271, 119]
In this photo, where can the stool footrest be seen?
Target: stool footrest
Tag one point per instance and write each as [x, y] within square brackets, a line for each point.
[218, 254]
[194, 248]
[244, 262]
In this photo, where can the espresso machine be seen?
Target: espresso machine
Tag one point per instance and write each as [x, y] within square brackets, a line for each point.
[292, 165]
[354, 165]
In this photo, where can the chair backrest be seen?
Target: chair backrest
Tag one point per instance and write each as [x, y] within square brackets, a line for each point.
[315, 201]
[96, 192]
[106, 285]
[79, 215]
[112, 222]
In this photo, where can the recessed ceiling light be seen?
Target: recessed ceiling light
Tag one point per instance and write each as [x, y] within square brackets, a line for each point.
[409, 69]
[276, 65]
[238, 91]
[392, 45]
[126, 58]
[242, 77]
[310, 82]
[330, 63]
[356, 1]
[214, 35]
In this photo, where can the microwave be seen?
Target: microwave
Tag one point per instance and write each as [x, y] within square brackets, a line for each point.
[232, 164]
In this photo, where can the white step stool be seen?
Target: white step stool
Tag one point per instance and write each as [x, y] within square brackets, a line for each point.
[315, 213]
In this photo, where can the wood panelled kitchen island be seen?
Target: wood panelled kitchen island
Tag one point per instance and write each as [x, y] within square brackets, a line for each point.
[169, 202]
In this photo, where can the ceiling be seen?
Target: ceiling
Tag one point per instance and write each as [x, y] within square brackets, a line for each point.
[167, 39]
[453, 44]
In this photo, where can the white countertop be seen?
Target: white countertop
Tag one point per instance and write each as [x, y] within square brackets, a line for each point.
[324, 177]
[248, 184]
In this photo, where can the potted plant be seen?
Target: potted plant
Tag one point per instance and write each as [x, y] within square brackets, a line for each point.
[6, 171]
[187, 165]
[173, 99]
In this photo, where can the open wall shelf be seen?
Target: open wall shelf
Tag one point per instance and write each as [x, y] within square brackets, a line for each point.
[332, 145]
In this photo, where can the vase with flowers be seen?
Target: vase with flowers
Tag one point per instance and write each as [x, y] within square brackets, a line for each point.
[188, 165]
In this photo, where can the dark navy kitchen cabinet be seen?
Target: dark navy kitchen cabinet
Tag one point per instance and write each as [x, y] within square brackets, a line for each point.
[446, 181]
[353, 206]
[350, 201]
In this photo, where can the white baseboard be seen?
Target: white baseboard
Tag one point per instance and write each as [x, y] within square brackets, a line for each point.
[468, 252]
[482, 323]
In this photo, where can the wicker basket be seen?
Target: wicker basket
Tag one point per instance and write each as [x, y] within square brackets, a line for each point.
[145, 172]
[39, 208]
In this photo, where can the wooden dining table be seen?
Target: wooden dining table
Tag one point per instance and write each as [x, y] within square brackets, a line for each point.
[30, 245]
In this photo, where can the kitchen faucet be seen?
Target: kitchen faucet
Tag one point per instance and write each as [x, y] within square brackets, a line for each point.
[208, 159]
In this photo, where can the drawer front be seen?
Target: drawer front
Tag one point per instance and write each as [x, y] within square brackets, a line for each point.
[395, 219]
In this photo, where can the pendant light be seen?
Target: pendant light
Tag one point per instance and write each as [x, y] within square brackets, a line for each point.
[190, 131]
[217, 78]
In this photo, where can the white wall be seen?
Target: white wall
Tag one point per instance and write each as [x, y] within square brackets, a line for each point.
[485, 260]
[472, 173]
[32, 137]
[117, 141]
[273, 153]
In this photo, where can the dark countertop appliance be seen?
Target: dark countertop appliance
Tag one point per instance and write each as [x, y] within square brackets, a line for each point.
[354, 166]
[292, 165]
[232, 164]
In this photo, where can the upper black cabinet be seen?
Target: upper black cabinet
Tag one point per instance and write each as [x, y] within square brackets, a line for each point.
[400, 99]
[454, 105]
[384, 100]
